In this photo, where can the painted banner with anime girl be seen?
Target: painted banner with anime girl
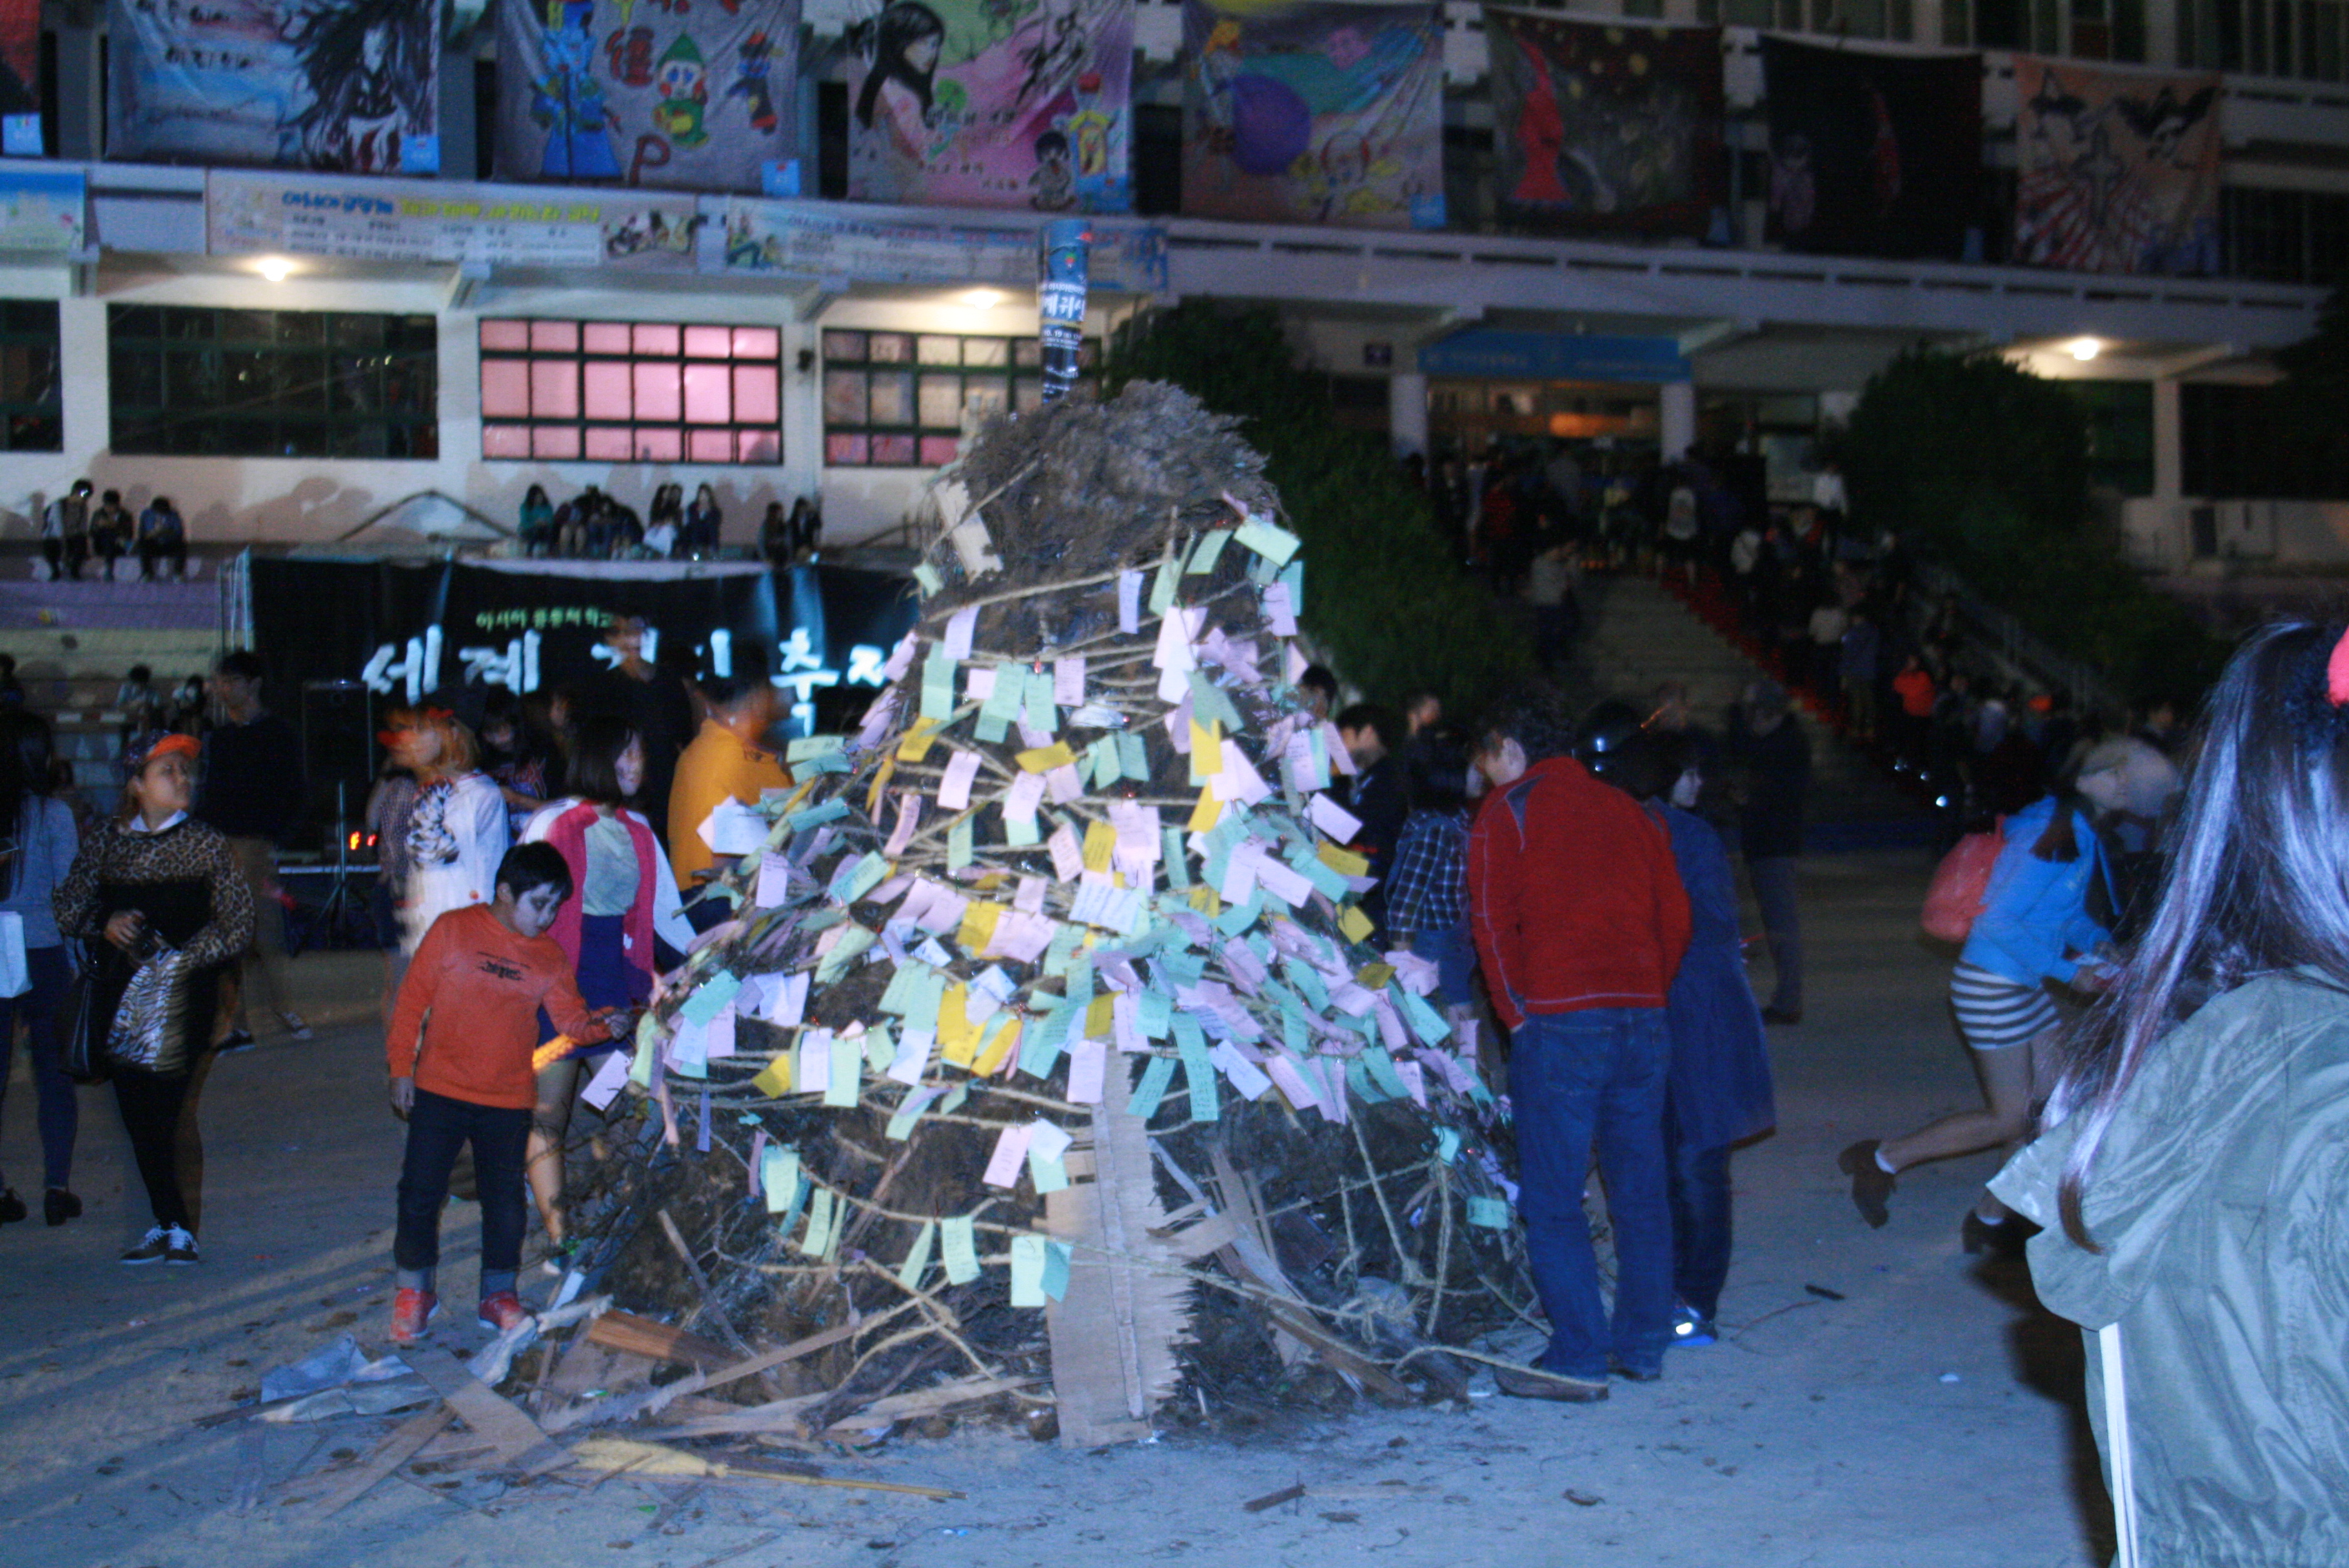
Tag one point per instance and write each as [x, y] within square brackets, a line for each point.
[351, 85]
[1302, 111]
[663, 93]
[2116, 172]
[1605, 128]
[994, 103]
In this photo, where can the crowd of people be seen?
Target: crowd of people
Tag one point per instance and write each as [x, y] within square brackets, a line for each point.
[2150, 986]
[596, 526]
[80, 540]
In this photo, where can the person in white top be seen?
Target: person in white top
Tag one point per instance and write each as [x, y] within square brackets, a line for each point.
[456, 829]
[627, 904]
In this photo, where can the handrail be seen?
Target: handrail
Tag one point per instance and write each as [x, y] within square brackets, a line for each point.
[2008, 640]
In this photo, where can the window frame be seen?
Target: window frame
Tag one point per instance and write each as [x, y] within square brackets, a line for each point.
[600, 439]
[32, 424]
[916, 441]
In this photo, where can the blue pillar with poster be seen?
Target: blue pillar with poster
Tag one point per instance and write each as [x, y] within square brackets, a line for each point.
[1060, 300]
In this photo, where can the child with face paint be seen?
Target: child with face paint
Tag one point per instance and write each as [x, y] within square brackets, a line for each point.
[460, 1047]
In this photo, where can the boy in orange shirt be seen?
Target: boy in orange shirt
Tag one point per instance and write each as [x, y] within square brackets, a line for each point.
[460, 1045]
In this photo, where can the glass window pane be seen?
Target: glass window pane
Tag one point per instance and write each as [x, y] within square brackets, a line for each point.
[893, 396]
[554, 337]
[938, 452]
[894, 451]
[709, 342]
[986, 351]
[709, 394]
[983, 395]
[710, 446]
[1026, 395]
[758, 394]
[935, 349]
[608, 444]
[506, 440]
[843, 398]
[758, 342]
[506, 389]
[1027, 351]
[659, 444]
[657, 338]
[891, 348]
[555, 389]
[556, 442]
[605, 337]
[941, 405]
[759, 447]
[844, 346]
[658, 394]
[611, 389]
[511, 335]
[848, 451]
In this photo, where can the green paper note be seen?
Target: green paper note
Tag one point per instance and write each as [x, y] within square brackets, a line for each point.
[778, 1178]
[1049, 1174]
[1163, 585]
[1022, 832]
[1447, 1144]
[1028, 1252]
[817, 1242]
[1383, 1073]
[858, 877]
[1133, 755]
[927, 576]
[712, 996]
[1490, 1212]
[960, 1249]
[909, 1111]
[1152, 1010]
[1103, 765]
[807, 817]
[1210, 547]
[917, 1259]
[1209, 704]
[1040, 713]
[1198, 1072]
[938, 688]
[1057, 1257]
[958, 845]
[1294, 575]
[1153, 1087]
[1178, 858]
[1268, 539]
[850, 946]
[880, 1050]
[847, 1074]
[1424, 1020]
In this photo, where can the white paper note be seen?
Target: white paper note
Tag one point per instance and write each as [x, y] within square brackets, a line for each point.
[610, 1075]
[960, 626]
[954, 793]
[1010, 1155]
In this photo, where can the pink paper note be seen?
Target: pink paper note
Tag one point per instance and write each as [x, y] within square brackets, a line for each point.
[1294, 1084]
[1068, 681]
[1027, 793]
[909, 817]
[1066, 787]
[1088, 1061]
[1414, 1078]
[1278, 613]
[1010, 1155]
[1068, 857]
[954, 793]
[1030, 896]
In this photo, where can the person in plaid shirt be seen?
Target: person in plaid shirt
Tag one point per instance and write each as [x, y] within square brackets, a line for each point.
[1427, 891]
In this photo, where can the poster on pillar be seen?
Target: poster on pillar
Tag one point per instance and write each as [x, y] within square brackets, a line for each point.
[656, 93]
[1311, 112]
[1604, 128]
[1873, 153]
[349, 85]
[20, 78]
[1022, 104]
[2116, 172]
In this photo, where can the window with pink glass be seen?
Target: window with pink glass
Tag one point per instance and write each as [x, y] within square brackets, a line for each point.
[606, 391]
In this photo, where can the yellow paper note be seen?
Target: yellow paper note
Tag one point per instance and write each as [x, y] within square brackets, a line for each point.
[1374, 976]
[1354, 924]
[1044, 759]
[998, 1049]
[775, 1081]
[979, 918]
[1206, 899]
[1205, 814]
[1099, 1017]
[1207, 751]
[1100, 840]
[1345, 863]
[957, 1036]
[880, 782]
[917, 741]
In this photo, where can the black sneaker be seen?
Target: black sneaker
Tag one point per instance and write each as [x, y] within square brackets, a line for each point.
[57, 1206]
[179, 1247]
[12, 1207]
[151, 1246]
[234, 1041]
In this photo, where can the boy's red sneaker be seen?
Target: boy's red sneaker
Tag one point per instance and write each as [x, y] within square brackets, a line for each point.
[410, 1311]
[503, 1311]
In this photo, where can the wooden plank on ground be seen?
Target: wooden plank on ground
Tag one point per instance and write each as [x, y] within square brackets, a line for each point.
[625, 1331]
[517, 1441]
[652, 1401]
[403, 1444]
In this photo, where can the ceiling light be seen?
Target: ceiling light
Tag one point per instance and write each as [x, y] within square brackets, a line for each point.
[2083, 348]
[982, 299]
[277, 269]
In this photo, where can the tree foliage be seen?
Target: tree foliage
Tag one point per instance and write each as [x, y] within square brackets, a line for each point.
[1381, 592]
[1986, 466]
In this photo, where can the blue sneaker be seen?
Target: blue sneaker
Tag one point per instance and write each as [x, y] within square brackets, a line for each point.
[1691, 1327]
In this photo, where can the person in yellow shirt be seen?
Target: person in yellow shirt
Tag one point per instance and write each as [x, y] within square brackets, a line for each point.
[727, 759]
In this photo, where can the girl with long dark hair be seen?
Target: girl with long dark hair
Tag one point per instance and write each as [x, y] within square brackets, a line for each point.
[2195, 1175]
[38, 842]
[907, 39]
[626, 897]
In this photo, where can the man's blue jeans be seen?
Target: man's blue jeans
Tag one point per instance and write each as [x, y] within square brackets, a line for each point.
[1576, 1079]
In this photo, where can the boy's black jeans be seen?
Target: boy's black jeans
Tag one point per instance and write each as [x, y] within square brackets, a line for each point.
[437, 1127]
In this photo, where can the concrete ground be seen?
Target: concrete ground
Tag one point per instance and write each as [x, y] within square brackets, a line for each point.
[1879, 1401]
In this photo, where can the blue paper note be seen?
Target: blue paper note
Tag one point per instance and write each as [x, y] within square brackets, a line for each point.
[1144, 1102]
[1134, 756]
[1198, 1071]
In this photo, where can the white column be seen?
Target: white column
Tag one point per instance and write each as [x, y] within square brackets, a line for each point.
[1676, 418]
[82, 346]
[2169, 456]
[1407, 413]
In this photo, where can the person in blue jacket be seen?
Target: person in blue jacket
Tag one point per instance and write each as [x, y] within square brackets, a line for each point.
[2045, 916]
[1717, 1089]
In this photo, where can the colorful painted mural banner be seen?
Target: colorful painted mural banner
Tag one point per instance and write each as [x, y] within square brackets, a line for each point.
[44, 210]
[20, 78]
[1311, 112]
[808, 240]
[424, 220]
[1603, 128]
[349, 85]
[664, 94]
[1874, 153]
[994, 103]
[2116, 172]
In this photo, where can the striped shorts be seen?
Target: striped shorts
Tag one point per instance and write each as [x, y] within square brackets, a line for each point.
[1995, 1012]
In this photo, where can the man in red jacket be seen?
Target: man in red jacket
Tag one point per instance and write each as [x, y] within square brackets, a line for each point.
[1580, 922]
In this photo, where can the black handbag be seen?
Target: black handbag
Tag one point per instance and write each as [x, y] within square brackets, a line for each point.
[81, 1041]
